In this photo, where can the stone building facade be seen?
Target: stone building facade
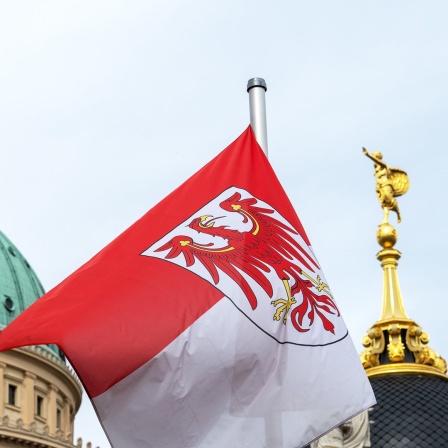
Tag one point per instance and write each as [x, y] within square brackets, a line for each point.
[39, 392]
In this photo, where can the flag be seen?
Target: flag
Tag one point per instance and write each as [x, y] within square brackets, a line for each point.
[207, 323]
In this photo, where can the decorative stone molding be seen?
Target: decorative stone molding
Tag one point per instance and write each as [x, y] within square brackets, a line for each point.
[53, 387]
[19, 423]
[354, 433]
[17, 433]
[54, 359]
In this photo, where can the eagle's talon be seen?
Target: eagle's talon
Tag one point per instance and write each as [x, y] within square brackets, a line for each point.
[285, 305]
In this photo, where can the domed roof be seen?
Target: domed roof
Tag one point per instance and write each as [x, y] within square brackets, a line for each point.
[411, 411]
[19, 286]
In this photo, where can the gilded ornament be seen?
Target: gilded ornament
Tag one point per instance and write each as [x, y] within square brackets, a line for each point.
[375, 343]
[386, 236]
[390, 183]
[405, 339]
[395, 348]
[369, 359]
[440, 364]
[416, 338]
[395, 351]
[426, 356]
[429, 357]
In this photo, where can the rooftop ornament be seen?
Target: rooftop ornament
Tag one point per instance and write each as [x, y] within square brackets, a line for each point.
[395, 343]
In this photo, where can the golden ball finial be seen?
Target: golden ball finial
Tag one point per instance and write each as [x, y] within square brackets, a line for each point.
[386, 236]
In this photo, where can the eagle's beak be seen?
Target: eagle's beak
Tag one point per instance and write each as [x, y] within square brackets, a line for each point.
[210, 223]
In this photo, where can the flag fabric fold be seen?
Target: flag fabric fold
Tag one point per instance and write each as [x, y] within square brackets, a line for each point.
[207, 323]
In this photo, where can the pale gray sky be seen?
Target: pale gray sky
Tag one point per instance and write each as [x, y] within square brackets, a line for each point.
[107, 106]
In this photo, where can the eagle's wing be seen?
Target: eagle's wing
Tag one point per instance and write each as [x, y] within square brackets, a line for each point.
[228, 259]
[279, 236]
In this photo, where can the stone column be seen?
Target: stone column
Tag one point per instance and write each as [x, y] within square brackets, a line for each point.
[28, 398]
[65, 426]
[52, 406]
[2, 388]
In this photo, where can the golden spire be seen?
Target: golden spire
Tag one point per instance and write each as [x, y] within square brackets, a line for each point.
[393, 308]
[395, 343]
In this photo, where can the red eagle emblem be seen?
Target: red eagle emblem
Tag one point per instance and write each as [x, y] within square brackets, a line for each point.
[265, 245]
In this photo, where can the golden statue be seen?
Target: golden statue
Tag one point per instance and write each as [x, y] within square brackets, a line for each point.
[390, 183]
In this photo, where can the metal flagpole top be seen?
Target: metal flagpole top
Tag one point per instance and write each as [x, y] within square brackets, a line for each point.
[257, 106]
[256, 82]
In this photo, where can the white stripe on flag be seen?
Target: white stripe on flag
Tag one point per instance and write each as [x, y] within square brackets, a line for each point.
[223, 383]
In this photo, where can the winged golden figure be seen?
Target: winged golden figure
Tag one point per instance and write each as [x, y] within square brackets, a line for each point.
[390, 183]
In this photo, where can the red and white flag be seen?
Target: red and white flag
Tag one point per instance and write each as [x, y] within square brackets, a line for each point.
[208, 323]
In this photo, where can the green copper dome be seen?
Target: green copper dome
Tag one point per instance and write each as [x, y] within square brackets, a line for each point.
[19, 286]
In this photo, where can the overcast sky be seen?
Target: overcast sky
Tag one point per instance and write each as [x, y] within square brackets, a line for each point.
[107, 106]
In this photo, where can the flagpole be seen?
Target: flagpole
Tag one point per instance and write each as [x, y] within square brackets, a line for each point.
[256, 87]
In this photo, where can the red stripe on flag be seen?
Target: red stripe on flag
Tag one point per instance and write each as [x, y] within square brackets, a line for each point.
[120, 309]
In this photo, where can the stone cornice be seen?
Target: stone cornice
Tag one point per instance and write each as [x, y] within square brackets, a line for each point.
[15, 432]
